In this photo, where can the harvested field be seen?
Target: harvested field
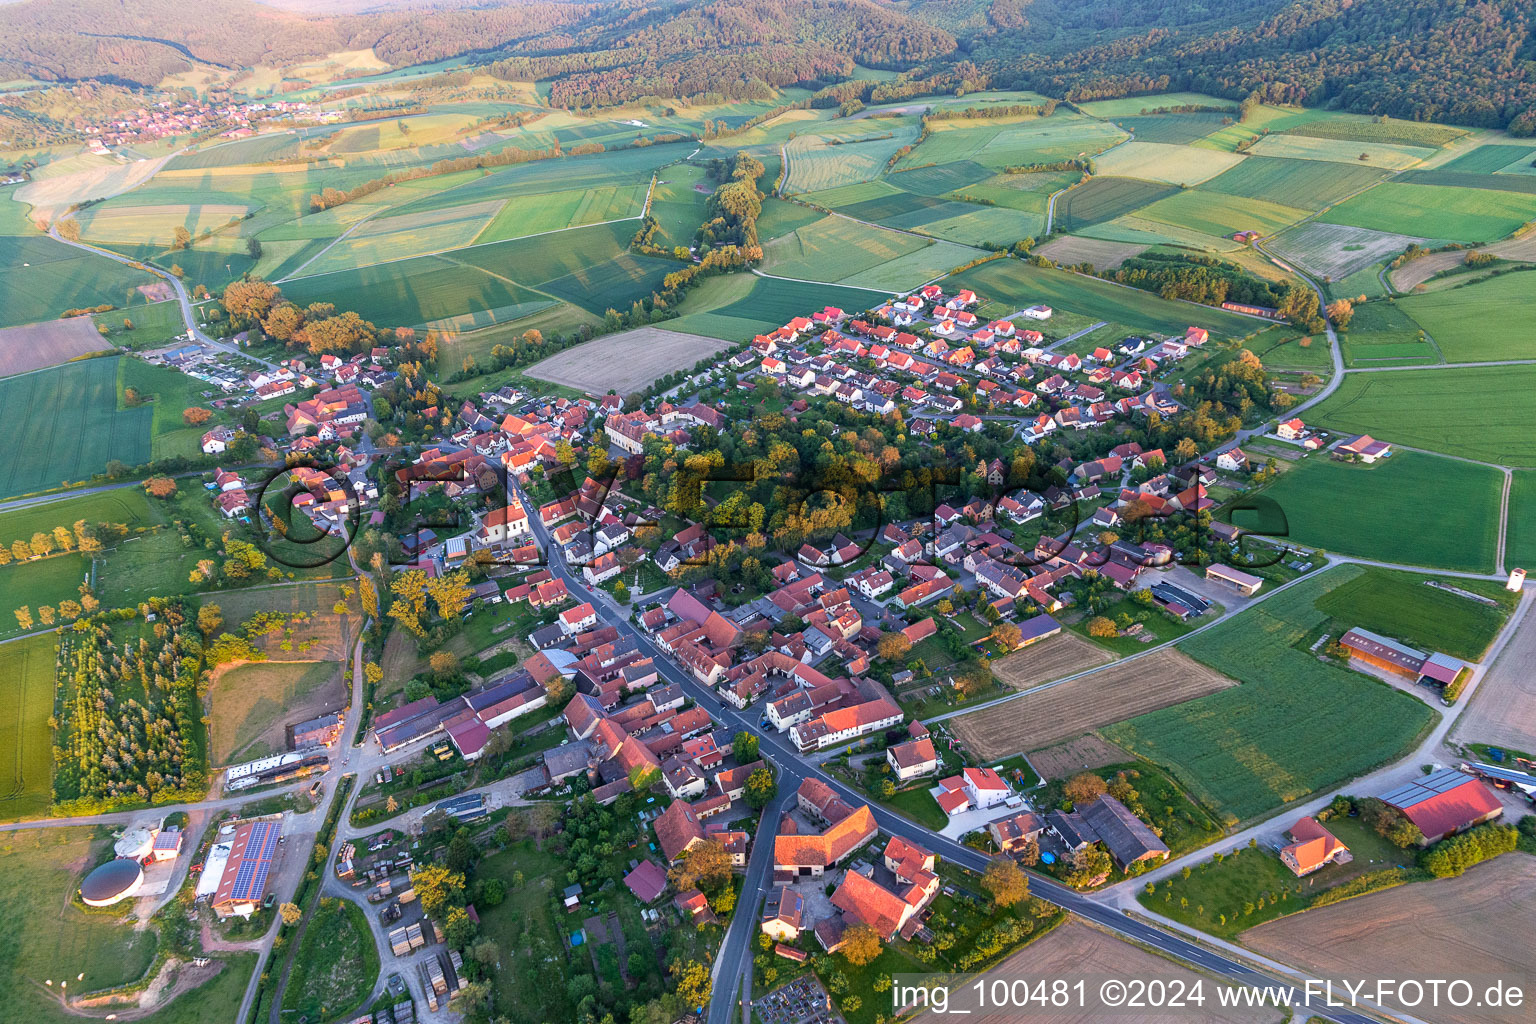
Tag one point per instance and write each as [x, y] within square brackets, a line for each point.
[1062, 712]
[253, 703]
[1448, 928]
[1059, 656]
[1073, 756]
[625, 362]
[1335, 251]
[1076, 950]
[1177, 165]
[1503, 708]
[1104, 255]
[35, 346]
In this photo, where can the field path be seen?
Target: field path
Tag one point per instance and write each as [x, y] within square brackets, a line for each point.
[1509, 480]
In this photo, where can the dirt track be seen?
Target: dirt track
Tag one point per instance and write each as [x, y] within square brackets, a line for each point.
[1071, 709]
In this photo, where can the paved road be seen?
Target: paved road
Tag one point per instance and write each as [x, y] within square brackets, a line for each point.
[793, 770]
[736, 950]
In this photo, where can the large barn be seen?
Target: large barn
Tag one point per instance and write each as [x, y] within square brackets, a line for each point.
[1444, 803]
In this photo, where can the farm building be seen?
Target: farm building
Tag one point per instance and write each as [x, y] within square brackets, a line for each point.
[1312, 848]
[244, 881]
[1430, 668]
[1444, 803]
[317, 732]
[1242, 582]
[1506, 778]
[1365, 448]
[112, 882]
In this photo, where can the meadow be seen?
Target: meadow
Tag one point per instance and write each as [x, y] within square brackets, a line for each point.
[678, 207]
[1475, 412]
[1304, 184]
[1435, 211]
[336, 966]
[1460, 322]
[1449, 508]
[1128, 106]
[26, 770]
[64, 423]
[252, 702]
[1101, 199]
[1011, 282]
[857, 152]
[1296, 726]
[1402, 605]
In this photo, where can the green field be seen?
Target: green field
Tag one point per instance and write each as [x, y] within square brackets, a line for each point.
[1388, 130]
[735, 307]
[940, 178]
[551, 211]
[854, 152]
[168, 393]
[34, 584]
[678, 206]
[598, 170]
[1176, 129]
[1017, 284]
[1476, 322]
[1401, 605]
[1434, 211]
[1381, 333]
[835, 248]
[1128, 106]
[384, 239]
[1520, 542]
[495, 283]
[1489, 159]
[1304, 184]
[1475, 412]
[781, 217]
[1222, 215]
[64, 424]
[336, 964]
[44, 278]
[26, 769]
[1461, 179]
[1101, 199]
[1449, 508]
[1296, 726]
[1012, 142]
[1376, 154]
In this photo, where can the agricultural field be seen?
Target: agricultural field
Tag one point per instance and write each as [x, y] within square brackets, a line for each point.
[1047, 717]
[1221, 215]
[1130, 106]
[1520, 542]
[625, 362]
[1449, 927]
[1490, 159]
[553, 211]
[1502, 711]
[1156, 161]
[1077, 950]
[34, 346]
[1334, 251]
[1387, 130]
[1012, 283]
[1460, 322]
[1460, 179]
[1070, 250]
[1173, 129]
[779, 217]
[1404, 606]
[1382, 333]
[848, 252]
[1367, 154]
[679, 204]
[857, 152]
[1061, 655]
[1067, 759]
[939, 179]
[1295, 726]
[1303, 184]
[155, 225]
[1101, 199]
[737, 306]
[64, 423]
[1291, 352]
[1435, 211]
[1360, 510]
[1473, 412]
[26, 770]
[253, 703]
[386, 239]
[44, 278]
[1012, 142]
